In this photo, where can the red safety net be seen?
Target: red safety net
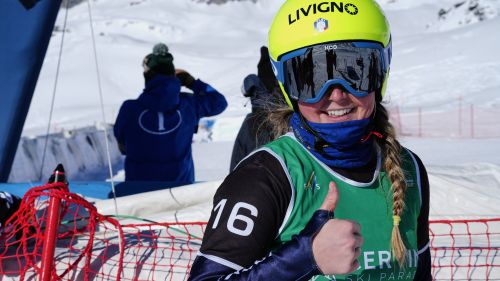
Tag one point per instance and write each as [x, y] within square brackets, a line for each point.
[465, 249]
[90, 246]
[78, 243]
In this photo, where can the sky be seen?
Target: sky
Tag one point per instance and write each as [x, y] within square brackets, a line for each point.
[440, 64]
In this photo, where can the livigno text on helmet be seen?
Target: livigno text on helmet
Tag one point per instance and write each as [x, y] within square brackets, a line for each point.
[323, 7]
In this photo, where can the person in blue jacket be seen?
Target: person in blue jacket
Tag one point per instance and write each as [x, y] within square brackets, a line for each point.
[155, 131]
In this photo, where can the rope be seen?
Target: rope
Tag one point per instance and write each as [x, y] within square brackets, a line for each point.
[54, 93]
[108, 154]
[178, 230]
[155, 222]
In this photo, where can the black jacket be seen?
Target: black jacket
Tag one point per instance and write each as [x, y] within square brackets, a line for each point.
[252, 134]
[230, 253]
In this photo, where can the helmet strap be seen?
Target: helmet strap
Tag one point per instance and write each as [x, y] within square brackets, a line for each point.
[378, 93]
[319, 142]
[374, 113]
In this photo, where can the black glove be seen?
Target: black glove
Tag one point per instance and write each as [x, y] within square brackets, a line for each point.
[186, 79]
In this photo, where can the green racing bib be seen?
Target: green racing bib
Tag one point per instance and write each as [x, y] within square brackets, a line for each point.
[369, 204]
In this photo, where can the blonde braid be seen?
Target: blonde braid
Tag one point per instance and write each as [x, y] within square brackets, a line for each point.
[278, 116]
[391, 150]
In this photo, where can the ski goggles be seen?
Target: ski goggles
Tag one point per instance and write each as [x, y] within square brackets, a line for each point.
[308, 73]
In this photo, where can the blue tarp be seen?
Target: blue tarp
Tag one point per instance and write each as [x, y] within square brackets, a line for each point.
[99, 190]
[25, 30]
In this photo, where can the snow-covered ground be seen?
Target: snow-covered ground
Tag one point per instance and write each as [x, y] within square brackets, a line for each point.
[443, 51]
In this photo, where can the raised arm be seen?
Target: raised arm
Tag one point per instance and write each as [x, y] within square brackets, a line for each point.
[249, 208]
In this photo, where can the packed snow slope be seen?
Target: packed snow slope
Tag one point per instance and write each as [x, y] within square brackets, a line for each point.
[437, 57]
[443, 50]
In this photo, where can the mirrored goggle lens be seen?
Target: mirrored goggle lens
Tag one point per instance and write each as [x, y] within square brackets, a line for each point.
[358, 67]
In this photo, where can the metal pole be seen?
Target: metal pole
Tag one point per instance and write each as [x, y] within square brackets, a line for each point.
[460, 116]
[50, 237]
[472, 121]
[400, 124]
[419, 122]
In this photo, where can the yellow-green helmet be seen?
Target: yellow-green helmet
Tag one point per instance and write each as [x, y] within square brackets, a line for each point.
[296, 26]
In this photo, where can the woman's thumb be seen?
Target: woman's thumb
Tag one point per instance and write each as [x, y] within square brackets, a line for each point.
[331, 198]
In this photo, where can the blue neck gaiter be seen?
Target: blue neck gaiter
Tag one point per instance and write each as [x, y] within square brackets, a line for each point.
[343, 148]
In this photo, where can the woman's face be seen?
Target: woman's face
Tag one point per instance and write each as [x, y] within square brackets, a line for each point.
[338, 106]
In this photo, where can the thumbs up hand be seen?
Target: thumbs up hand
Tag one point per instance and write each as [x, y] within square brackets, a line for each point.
[337, 245]
[331, 198]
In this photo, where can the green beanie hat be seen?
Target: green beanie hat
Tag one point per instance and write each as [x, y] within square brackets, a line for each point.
[160, 61]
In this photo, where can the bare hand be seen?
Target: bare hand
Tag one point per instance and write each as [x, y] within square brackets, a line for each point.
[337, 246]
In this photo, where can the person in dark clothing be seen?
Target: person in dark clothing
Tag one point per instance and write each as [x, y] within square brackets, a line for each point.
[265, 71]
[155, 131]
[255, 131]
[9, 204]
[336, 197]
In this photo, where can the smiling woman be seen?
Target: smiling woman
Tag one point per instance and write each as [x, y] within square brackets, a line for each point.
[338, 106]
[336, 197]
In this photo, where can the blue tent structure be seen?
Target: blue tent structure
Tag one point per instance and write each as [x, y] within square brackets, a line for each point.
[25, 29]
